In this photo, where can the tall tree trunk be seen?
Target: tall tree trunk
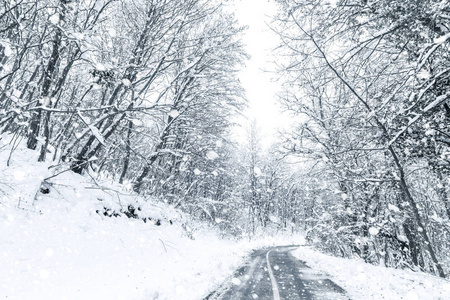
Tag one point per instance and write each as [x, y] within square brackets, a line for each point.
[414, 248]
[126, 161]
[415, 211]
[140, 180]
[83, 157]
[442, 191]
[35, 124]
[56, 89]
[162, 141]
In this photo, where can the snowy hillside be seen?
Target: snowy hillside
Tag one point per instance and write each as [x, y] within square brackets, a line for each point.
[56, 242]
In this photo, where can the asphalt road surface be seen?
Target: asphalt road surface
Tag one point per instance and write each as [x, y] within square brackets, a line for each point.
[274, 274]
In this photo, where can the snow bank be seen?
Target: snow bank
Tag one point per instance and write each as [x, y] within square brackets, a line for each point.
[60, 245]
[364, 281]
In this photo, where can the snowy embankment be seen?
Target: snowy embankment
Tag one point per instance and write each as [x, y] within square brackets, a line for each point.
[364, 281]
[60, 245]
[57, 242]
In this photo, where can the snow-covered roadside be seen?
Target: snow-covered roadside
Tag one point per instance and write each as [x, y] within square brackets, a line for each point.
[59, 244]
[64, 250]
[55, 246]
[364, 281]
[71, 256]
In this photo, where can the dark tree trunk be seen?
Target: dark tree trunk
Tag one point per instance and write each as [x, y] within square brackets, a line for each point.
[126, 161]
[413, 244]
[35, 124]
[138, 184]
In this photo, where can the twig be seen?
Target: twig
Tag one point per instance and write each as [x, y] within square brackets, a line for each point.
[69, 169]
[164, 245]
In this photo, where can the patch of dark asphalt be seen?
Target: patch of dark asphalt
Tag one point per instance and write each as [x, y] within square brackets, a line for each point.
[295, 280]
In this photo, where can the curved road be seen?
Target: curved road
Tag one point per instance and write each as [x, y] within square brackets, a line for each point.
[274, 274]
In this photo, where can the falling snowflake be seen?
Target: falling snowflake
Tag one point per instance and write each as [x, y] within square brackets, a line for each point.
[393, 208]
[54, 19]
[257, 171]
[44, 274]
[112, 32]
[137, 122]
[211, 155]
[174, 113]
[49, 252]
[126, 82]
[373, 231]
[411, 296]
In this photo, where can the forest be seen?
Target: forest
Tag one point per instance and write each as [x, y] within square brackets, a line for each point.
[147, 93]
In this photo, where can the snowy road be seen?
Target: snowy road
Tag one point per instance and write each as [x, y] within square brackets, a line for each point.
[274, 274]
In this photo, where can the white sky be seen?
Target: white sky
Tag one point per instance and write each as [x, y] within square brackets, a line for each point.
[260, 89]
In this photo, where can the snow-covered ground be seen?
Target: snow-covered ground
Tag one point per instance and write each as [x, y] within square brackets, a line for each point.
[56, 246]
[364, 281]
[80, 256]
